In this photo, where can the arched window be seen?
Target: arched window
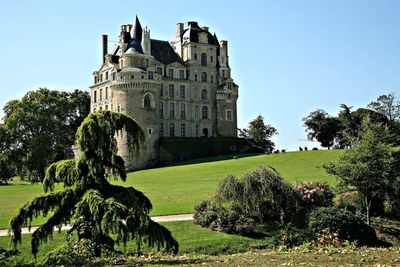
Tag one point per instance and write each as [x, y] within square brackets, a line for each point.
[204, 112]
[147, 100]
[203, 59]
[203, 77]
[204, 94]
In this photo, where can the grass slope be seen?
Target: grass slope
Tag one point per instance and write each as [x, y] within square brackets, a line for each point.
[176, 189]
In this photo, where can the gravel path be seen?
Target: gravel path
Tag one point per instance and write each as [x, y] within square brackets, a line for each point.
[167, 218]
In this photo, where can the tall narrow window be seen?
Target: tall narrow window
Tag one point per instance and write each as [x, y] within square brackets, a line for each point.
[162, 90]
[195, 56]
[106, 75]
[171, 90]
[182, 91]
[223, 73]
[170, 73]
[172, 110]
[196, 112]
[204, 94]
[159, 70]
[147, 101]
[95, 96]
[183, 129]
[172, 129]
[195, 77]
[101, 94]
[183, 110]
[161, 129]
[161, 109]
[203, 77]
[151, 75]
[204, 112]
[197, 130]
[211, 59]
[203, 59]
[106, 92]
[229, 116]
[181, 74]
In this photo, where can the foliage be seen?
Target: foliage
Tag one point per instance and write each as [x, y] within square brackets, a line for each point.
[41, 126]
[290, 236]
[230, 219]
[389, 105]
[315, 194]
[367, 165]
[322, 127]
[260, 133]
[77, 253]
[393, 193]
[96, 209]
[344, 223]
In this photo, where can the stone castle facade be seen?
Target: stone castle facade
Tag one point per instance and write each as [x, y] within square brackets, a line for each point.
[180, 88]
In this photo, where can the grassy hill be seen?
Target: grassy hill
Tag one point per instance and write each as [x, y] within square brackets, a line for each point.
[176, 189]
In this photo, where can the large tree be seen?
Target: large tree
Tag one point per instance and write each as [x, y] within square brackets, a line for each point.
[41, 127]
[97, 209]
[388, 105]
[259, 133]
[367, 165]
[322, 127]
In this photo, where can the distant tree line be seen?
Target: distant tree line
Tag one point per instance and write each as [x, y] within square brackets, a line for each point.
[339, 131]
[38, 130]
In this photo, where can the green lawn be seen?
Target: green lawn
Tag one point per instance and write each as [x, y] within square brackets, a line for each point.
[176, 189]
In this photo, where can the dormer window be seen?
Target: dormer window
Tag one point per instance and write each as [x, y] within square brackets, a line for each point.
[171, 73]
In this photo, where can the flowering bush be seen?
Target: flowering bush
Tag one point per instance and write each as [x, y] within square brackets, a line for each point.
[314, 194]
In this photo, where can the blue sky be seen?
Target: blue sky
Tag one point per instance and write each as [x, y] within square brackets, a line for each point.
[288, 57]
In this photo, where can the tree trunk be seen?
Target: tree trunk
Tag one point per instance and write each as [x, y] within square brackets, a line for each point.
[367, 208]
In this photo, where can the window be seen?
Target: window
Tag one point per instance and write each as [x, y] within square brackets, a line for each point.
[204, 94]
[101, 77]
[222, 59]
[182, 91]
[159, 70]
[147, 101]
[223, 73]
[172, 110]
[150, 131]
[113, 76]
[229, 85]
[106, 92]
[101, 108]
[212, 78]
[94, 109]
[101, 94]
[196, 112]
[162, 109]
[197, 130]
[195, 56]
[162, 90]
[95, 96]
[183, 110]
[106, 75]
[161, 129]
[106, 108]
[203, 59]
[195, 77]
[170, 73]
[203, 77]
[95, 79]
[181, 74]
[211, 59]
[172, 129]
[171, 90]
[151, 75]
[183, 129]
[229, 116]
[204, 112]
[118, 108]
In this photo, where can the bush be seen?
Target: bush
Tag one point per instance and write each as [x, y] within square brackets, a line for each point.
[352, 201]
[314, 194]
[78, 253]
[344, 223]
[230, 220]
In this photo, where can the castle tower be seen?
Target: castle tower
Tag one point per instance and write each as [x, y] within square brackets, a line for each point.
[146, 41]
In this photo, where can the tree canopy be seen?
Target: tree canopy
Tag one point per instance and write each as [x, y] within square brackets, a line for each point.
[260, 133]
[367, 165]
[41, 126]
[97, 209]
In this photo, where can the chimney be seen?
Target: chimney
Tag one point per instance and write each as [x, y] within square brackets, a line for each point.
[129, 27]
[224, 45]
[205, 29]
[179, 29]
[105, 47]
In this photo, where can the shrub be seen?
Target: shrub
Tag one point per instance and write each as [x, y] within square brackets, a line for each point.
[291, 236]
[353, 202]
[344, 223]
[314, 194]
[230, 219]
[315, 148]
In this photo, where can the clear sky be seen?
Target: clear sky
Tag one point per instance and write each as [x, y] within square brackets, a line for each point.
[288, 57]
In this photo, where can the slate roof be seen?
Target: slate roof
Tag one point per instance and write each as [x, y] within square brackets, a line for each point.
[163, 52]
[193, 33]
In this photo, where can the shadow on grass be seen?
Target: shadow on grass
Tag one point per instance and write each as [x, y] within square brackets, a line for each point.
[178, 262]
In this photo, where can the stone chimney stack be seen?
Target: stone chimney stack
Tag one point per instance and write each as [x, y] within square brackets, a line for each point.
[146, 45]
[179, 29]
[205, 29]
[105, 47]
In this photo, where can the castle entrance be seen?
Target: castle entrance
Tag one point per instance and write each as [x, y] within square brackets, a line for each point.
[205, 132]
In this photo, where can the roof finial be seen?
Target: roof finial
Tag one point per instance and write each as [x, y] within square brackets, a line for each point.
[136, 31]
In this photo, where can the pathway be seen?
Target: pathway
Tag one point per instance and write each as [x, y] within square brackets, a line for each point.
[166, 218]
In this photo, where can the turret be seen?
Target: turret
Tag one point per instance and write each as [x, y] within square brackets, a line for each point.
[136, 32]
[146, 41]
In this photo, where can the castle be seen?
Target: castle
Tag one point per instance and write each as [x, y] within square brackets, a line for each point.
[180, 88]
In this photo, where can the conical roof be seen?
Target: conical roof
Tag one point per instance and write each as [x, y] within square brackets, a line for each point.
[137, 30]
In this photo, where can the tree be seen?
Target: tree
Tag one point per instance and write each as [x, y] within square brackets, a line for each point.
[367, 166]
[322, 127]
[260, 133]
[6, 165]
[41, 127]
[96, 208]
[387, 105]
